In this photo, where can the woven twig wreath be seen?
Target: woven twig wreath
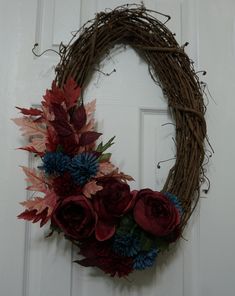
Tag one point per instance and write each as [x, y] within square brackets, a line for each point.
[80, 184]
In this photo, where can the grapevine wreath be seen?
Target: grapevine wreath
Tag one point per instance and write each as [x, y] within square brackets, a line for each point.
[85, 196]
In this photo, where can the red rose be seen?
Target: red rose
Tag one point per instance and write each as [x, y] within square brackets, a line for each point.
[75, 217]
[155, 213]
[110, 203]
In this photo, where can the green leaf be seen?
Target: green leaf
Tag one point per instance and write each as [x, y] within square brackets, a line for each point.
[127, 225]
[105, 157]
[101, 148]
[161, 244]
[59, 148]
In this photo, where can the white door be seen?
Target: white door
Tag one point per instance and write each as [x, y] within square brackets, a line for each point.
[132, 107]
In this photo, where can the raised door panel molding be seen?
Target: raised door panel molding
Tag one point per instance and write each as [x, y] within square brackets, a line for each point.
[47, 261]
[57, 21]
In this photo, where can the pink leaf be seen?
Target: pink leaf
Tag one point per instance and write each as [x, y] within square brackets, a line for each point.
[39, 144]
[30, 127]
[41, 203]
[106, 168]
[90, 108]
[88, 127]
[32, 150]
[36, 179]
[91, 188]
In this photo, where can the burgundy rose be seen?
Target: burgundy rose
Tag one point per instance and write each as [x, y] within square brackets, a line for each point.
[75, 217]
[110, 203]
[155, 213]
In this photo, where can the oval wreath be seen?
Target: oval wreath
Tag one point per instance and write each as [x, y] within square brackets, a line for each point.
[85, 196]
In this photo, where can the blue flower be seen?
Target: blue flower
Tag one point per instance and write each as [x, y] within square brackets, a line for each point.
[175, 201]
[126, 245]
[145, 259]
[55, 162]
[83, 166]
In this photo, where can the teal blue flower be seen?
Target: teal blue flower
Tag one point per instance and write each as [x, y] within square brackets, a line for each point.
[55, 162]
[126, 245]
[145, 259]
[83, 167]
[175, 201]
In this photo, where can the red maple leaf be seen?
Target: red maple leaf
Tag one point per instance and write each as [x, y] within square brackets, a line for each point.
[31, 111]
[54, 95]
[71, 93]
[39, 208]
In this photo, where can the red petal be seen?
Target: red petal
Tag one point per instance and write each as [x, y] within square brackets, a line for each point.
[104, 230]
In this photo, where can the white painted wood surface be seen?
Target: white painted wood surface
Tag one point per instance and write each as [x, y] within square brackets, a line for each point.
[130, 106]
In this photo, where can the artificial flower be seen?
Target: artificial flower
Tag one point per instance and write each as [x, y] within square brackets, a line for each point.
[155, 213]
[83, 167]
[126, 245]
[110, 203]
[145, 259]
[75, 216]
[55, 162]
[101, 255]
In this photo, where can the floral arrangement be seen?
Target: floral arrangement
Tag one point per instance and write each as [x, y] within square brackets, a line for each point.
[85, 196]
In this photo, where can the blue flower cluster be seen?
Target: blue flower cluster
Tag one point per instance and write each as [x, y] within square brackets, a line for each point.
[129, 245]
[126, 245]
[55, 162]
[81, 167]
[145, 259]
[131, 241]
[175, 201]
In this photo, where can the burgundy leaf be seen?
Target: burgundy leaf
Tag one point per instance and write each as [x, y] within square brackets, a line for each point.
[120, 266]
[31, 111]
[88, 138]
[62, 128]
[79, 117]
[69, 144]
[59, 112]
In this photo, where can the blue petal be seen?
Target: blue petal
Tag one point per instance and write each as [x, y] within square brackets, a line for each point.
[55, 162]
[126, 245]
[145, 259]
[175, 201]
[83, 166]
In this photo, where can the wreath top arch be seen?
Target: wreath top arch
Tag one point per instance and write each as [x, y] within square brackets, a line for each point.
[85, 196]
